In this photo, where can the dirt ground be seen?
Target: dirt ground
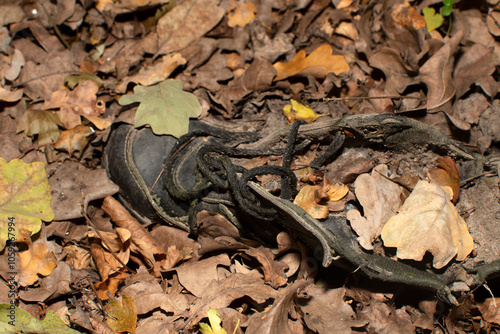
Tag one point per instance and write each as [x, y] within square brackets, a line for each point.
[75, 258]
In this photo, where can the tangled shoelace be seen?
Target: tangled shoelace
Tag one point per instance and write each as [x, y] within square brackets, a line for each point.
[214, 168]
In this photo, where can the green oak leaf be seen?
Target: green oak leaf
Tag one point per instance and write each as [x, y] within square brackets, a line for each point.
[432, 19]
[15, 320]
[24, 198]
[166, 107]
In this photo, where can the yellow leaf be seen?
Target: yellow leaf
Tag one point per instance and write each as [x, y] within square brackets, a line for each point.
[241, 13]
[318, 64]
[299, 112]
[214, 327]
[24, 198]
[336, 192]
[428, 221]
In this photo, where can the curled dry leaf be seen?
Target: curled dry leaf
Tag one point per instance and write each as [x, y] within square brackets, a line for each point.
[318, 64]
[275, 320]
[37, 260]
[141, 241]
[492, 21]
[105, 262]
[308, 199]
[436, 73]
[310, 196]
[397, 73]
[347, 29]
[446, 175]
[274, 271]
[428, 221]
[405, 16]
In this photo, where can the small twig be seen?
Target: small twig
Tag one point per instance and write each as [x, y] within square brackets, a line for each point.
[33, 147]
[58, 32]
[41, 77]
[464, 182]
[95, 294]
[370, 98]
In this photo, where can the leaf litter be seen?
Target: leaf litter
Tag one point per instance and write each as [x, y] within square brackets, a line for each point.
[68, 67]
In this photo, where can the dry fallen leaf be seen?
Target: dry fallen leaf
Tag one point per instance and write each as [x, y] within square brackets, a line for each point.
[406, 16]
[318, 63]
[436, 73]
[327, 309]
[275, 319]
[37, 260]
[310, 196]
[380, 199]
[446, 175]
[160, 71]
[73, 186]
[274, 271]
[347, 29]
[81, 101]
[121, 316]
[118, 243]
[428, 221]
[240, 13]
[74, 140]
[195, 277]
[490, 311]
[221, 294]
[308, 199]
[148, 295]
[492, 21]
[186, 23]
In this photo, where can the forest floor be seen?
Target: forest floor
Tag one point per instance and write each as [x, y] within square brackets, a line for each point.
[72, 258]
